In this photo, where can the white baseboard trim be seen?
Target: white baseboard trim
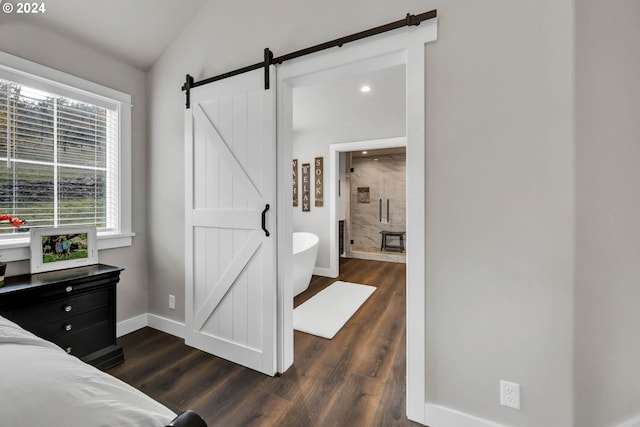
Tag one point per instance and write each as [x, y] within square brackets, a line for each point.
[130, 325]
[441, 416]
[154, 321]
[631, 423]
[324, 272]
[166, 325]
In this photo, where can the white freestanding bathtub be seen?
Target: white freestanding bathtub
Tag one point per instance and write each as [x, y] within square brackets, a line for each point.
[305, 251]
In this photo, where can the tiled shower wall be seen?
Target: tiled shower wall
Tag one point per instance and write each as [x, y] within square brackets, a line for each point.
[386, 179]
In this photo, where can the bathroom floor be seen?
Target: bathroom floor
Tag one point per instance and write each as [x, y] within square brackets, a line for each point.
[357, 378]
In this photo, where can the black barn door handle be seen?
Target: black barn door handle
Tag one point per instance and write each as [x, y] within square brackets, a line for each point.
[264, 218]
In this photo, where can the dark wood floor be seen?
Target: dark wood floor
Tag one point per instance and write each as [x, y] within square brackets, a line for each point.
[355, 379]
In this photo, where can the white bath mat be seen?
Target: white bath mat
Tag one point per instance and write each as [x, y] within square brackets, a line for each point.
[327, 311]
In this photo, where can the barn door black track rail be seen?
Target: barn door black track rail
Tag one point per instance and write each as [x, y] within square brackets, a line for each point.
[269, 59]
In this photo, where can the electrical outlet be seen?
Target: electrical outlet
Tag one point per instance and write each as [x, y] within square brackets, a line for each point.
[510, 394]
[172, 302]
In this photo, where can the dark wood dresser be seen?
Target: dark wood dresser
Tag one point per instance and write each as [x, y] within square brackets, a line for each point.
[73, 308]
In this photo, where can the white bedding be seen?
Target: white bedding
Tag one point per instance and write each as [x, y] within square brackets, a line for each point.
[41, 385]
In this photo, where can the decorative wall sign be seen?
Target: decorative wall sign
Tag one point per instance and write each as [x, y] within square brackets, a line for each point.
[306, 187]
[363, 194]
[318, 178]
[295, 182]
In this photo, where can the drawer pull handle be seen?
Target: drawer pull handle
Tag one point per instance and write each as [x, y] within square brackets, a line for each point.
[68, 350]
[67, 308]
[69, 288]
[68, 327]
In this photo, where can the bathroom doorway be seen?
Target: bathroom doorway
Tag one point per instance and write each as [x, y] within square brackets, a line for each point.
[375, 225]
[330, 116]
[335, 120]
[406, 48]
[374, 216]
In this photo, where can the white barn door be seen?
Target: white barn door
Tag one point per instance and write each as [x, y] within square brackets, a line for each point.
[230, 260]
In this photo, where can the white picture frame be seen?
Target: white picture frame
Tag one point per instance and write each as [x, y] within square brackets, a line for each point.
[62, 247]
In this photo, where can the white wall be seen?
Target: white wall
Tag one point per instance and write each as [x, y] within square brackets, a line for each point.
[500, 211]
[306, 148]
[38, 45]
[607, 294]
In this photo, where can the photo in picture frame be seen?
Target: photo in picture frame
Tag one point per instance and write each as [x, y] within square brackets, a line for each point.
[60, 248]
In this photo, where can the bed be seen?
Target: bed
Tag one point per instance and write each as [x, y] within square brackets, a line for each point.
[41, 385]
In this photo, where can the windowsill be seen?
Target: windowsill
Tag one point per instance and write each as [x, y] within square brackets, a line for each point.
[18, 249]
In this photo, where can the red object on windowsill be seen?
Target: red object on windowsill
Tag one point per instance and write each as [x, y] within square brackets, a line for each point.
[16, 222]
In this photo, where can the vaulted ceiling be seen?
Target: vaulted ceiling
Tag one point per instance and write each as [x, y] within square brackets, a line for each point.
[137, 32]
[134, 31]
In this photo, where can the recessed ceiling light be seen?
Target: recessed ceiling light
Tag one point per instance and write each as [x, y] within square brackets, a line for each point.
[365, 89]
[375, 160]
[364, 152]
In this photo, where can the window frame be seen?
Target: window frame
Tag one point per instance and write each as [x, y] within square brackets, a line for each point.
[42, 77]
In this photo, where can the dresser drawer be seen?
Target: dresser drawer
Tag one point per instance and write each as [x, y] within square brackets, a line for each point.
[71, 289]
[71, 325]
[87, 341]
[60, 309]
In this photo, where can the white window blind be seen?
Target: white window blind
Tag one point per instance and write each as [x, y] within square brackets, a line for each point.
[58, 159]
